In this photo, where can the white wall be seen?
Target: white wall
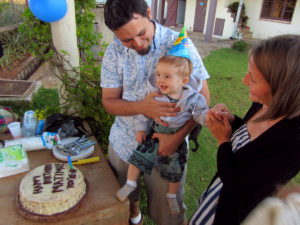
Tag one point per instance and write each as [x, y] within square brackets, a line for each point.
[107, 34]
[190, 8]
[222, 13]
[263, 28]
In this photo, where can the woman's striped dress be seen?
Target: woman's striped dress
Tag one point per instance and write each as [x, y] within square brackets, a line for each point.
[207, 204]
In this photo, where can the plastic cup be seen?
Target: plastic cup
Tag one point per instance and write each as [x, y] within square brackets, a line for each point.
[15, 129]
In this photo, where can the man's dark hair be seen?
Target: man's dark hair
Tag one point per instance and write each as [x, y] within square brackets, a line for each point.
[119, 12]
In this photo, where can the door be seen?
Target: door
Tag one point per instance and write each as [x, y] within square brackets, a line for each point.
[181, 12]
[200, 13]
[172, 13]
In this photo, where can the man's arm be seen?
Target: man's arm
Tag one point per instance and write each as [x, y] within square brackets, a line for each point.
[149, 107]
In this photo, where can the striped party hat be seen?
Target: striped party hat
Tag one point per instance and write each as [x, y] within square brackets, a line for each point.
[180, 46]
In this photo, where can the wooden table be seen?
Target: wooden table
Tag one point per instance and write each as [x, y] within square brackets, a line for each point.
[102, 207]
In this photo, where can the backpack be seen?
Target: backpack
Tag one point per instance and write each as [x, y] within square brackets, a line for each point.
[72, 125]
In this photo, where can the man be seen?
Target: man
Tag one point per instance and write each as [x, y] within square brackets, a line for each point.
[127, 63]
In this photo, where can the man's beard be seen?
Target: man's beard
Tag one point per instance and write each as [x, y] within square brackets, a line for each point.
[144, 51]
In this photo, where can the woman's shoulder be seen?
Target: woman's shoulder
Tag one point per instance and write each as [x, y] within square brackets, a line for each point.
[294, 124]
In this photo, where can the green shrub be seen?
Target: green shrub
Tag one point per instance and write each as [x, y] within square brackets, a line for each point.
[18, 107]
[47, 100]
[10, 12]
[241, 46]
[16, 49]
[44, 99]
[233, 7]
[81, 86]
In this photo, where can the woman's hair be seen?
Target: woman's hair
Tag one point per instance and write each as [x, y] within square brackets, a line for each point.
[119, 12]
[278, 59]
[183, 64]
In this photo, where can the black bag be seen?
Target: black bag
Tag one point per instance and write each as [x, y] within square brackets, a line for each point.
[73, 125]
[1, 50]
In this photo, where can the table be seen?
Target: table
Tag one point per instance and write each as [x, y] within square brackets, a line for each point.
[102, 207]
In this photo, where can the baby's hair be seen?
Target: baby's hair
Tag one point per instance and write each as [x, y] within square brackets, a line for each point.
[183, 64]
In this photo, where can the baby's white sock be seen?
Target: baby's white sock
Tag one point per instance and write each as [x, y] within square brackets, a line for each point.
[131, 183]
[137, 219]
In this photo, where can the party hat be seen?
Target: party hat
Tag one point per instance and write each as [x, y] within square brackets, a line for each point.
[180, 46]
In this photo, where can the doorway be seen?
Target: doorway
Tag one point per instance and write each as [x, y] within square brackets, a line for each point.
[200, 13]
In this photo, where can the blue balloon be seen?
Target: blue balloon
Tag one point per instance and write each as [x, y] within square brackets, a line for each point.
[48, 10]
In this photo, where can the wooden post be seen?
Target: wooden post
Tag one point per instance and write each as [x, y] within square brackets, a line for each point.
[154, 9]
[64, 38]
[210, 20]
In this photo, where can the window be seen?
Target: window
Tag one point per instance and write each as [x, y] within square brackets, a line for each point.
[278, 9]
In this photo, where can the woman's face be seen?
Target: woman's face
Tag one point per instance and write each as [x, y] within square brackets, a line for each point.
[260, 90]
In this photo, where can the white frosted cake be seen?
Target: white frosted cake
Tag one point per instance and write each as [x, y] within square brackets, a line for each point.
[51, 189]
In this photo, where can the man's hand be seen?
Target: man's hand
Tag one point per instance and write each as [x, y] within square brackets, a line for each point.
[149, 107]
[168, 143]
[155, 109]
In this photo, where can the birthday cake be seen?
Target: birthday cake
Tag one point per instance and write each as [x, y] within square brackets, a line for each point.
[51, 190]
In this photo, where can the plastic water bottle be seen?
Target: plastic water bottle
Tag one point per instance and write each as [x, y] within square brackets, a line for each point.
[40, 127]
[29, 124]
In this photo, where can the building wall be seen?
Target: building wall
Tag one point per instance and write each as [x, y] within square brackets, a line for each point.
[190, 7]
[222, 13]
[107, 34]
[263, 28]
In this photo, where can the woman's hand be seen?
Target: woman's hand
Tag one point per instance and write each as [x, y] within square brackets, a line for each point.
[222, 111]
[155, 109]
[219, 126]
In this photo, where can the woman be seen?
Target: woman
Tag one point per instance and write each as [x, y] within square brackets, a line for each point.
[262, 151]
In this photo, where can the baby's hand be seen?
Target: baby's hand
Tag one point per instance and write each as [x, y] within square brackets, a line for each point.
[140, 136]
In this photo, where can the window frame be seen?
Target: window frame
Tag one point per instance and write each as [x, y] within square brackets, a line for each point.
[264, 8]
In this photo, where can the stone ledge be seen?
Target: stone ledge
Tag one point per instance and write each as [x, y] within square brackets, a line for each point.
[28, 67]
[24, 70]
